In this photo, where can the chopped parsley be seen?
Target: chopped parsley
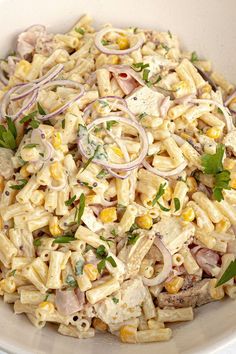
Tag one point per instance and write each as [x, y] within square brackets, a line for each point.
[12, 273]
[104, 103]
[79, 267]
[30, 146]
[8, 135]
[110, 124]
[90, 159]
[70, 201]
[80, 30]
[18, 187]
[103, 173]
[159, 194]
[104, 42]
[170, 34]
[142, 115]
[177, 204]
[219, 110]
[70, 280]
[139, 66]
[115, 300]
[164, 46]
[132, 238]
[212, 165]
[194, 57]
[41, 110]
[37, 242]
[30, 118]
[229, 273]
[145, 75]
[80, 210]
[85, 184]
[106, 240]
[102, 254]
[64, 239]
[63, 123]
[114, 233]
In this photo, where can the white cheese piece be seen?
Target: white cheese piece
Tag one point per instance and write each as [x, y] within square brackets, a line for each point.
[145, 100]
[174, 233]
[6, 166]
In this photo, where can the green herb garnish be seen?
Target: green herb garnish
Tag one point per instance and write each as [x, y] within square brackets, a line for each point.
[104, 42]
[102, 254]
[115, 300]
[30, 146]
[142, 115]
[37, 242]
[30, 118]
[80, 30]
[110, 124]
[139, 66]
[12, 273]
[229, 273]
[70, 201]
[41, 110]
[46, 297]
[63, 123]
[114, 233]
[194, 57]
[170, 34]
[159, 194]
[79, 267]
[177, 204]
[8, 135]
[132, 238]
[145, 75]
[90, 159]
[18, 187]
[70, 280]
[64, 239]
[103, 173]
[80, 210]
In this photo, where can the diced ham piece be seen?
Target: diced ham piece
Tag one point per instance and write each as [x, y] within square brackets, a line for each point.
[206, 259]
[126, 82]
[69, 301]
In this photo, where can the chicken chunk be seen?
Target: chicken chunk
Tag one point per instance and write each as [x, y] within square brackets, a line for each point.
[197, 295]
[6, 166]
[124, 304]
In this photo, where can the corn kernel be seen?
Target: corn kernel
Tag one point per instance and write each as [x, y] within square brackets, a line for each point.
[56, 171]
[47, 306]
[23, 171]
[91, 271]
[206, 88]
[22, 69]
[168, 193]
[123, 42]
[57, 141]
[144, 221]
[113, 59]
[54, 227]
[8, 285]
[128, 334]
[232, 183]
[108, 215]
[1, 184]
[214, 132]
[188, 214]
[192, 184]
[216, 293]
[223, 225]
[100, 325]
[174, 285]
[117, 151]
[229, 164]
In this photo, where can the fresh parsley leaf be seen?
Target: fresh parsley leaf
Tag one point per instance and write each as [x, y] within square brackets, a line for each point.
[11, 126]
[104, 42]
[12, 273]
[70, 280]
[29, 117]
[18, 187]
[30, 146]
[37, 242]
[110, 124]
[219, 110]
[79, 267]
[212, 164]
[34, 123]
[103, 103]
[170, 34]
[177, 204]
[194, 57]
[80, 30]
[70, 201]
[8, 135]
[46, 297]
[101, 265]
[159, 194]
[115, 300]
[111, 261]
[139, 66]
[145, 75]
[133, 227]
[41, 110]
[101, 252]
[63, 123]
[132, 238]
[90, 159]
[114, 233]
[64, 239]
[222, 180]
[81, 208]
[106, 240]
[229, 273]
[103, 173]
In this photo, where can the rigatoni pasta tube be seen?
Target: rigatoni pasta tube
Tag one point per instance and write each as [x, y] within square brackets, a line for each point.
[175, 315]
[100, 292]
[54, 271]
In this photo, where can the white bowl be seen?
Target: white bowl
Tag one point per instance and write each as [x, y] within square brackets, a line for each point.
[209, 28]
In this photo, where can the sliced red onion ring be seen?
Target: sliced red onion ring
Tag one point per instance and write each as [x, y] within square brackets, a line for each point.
[225, 111]
[123, 166]
[68, 83]
[165, 105]
[167, 265]
[125, 69]
[104, 49]
[33, 85]
[157, 172]
[57, 188]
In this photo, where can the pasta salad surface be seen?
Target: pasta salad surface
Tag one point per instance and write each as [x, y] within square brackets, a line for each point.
[117, 181]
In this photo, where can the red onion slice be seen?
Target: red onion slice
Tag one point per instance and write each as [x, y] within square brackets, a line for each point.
[68, 83]
[167, 265]
[157, 172]
[104, 49]
[123, 166]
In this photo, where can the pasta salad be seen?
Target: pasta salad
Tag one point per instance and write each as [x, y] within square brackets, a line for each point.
[117, 181]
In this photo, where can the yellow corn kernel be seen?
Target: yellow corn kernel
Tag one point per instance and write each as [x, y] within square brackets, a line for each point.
[117, 151]
[206, 88]
[216, 293]
[56, 171]
[108, 215]
[113, 59]
[47, 306]
[1, 184]
[57, 141]
[54, 227]
[192, 184]
[223, 225]
[232, 183]
[214, 132]
[168, 194]
[188, 214]
[123, 42]
[174, 285]
[144, 221]
[23, 171]
[22, 69]
[1, 223]
[100, 325]
[8, 285]
[229, 164]
[91, 271]
[128, 334]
